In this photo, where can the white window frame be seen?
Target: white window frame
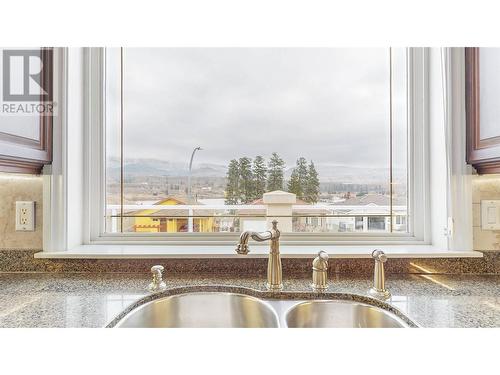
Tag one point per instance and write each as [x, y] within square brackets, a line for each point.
[416, 122]
[75, 185]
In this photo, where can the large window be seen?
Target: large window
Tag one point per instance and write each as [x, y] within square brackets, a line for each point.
[204, 140]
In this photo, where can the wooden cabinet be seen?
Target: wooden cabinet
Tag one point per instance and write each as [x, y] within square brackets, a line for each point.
[482, 84]
[26, 139]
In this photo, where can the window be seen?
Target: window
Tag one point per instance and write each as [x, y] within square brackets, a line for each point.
[90, 193]
[196, 137]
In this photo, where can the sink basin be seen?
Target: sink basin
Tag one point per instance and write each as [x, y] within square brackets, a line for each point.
[340, 314]
[202, 310]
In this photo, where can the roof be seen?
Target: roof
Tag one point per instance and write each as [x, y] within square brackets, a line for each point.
[372, 199]
[181, 212]
[261, 201]
[179, 199]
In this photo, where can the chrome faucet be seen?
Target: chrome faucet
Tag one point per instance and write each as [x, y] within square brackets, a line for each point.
[378, 290]
[274, 273]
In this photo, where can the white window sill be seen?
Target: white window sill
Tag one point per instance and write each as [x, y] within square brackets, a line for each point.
[256, 251]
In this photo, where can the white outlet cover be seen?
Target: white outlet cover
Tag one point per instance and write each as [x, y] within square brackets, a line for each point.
[490, 214]
[25, 216]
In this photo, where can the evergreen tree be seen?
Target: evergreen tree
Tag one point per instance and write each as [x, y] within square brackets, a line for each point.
[294, 184]
[259, 171]
[302, 174]
[275, 179]
[298, 179]
[311, 192]
[232, 187]
[246, 180]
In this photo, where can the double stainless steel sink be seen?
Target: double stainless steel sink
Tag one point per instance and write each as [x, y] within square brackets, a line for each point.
[215, 309]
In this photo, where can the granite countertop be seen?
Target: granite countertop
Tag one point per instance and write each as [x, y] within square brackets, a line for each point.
[95, 299]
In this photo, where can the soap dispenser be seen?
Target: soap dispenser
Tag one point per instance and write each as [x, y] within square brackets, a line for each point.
[320, 272]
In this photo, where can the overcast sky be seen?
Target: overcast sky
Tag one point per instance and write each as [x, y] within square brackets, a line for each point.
[330, 105]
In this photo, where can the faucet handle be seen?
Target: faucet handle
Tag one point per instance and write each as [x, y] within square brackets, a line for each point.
[275, 224]
[157, 284]
[320, 272]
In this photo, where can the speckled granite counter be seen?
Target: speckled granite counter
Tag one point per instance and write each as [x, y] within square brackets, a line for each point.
[93, 300]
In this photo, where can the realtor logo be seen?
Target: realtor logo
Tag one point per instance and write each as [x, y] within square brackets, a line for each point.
[26, 82]
[23, 76]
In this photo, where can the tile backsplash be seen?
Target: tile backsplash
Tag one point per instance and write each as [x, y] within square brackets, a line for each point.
[14, 187]
[484, 188]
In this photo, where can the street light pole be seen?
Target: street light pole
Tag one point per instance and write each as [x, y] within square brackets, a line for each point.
[190, 217]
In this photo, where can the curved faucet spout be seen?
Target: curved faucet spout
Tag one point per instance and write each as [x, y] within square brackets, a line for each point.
[242, 247]
[274, 274]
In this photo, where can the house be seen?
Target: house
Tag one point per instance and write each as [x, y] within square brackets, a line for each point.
[171, 220]
[370, 212]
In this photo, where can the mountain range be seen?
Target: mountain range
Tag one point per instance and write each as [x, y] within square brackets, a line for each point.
[327, 172]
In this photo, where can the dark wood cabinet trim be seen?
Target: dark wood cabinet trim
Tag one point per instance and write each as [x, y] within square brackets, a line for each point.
[488, 168]
[46, 121]
[483, 154]
[20, 166]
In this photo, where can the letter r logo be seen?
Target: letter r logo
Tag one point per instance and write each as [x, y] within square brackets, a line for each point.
[23, 76]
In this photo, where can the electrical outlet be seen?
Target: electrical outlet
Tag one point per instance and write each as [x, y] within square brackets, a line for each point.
[25, 216]
[490, 214]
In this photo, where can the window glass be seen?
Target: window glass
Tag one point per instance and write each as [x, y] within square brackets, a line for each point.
[211, 140]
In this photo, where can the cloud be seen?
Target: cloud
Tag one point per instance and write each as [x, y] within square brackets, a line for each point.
[330, 105]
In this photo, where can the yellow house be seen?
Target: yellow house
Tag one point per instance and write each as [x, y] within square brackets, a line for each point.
[170, 221]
